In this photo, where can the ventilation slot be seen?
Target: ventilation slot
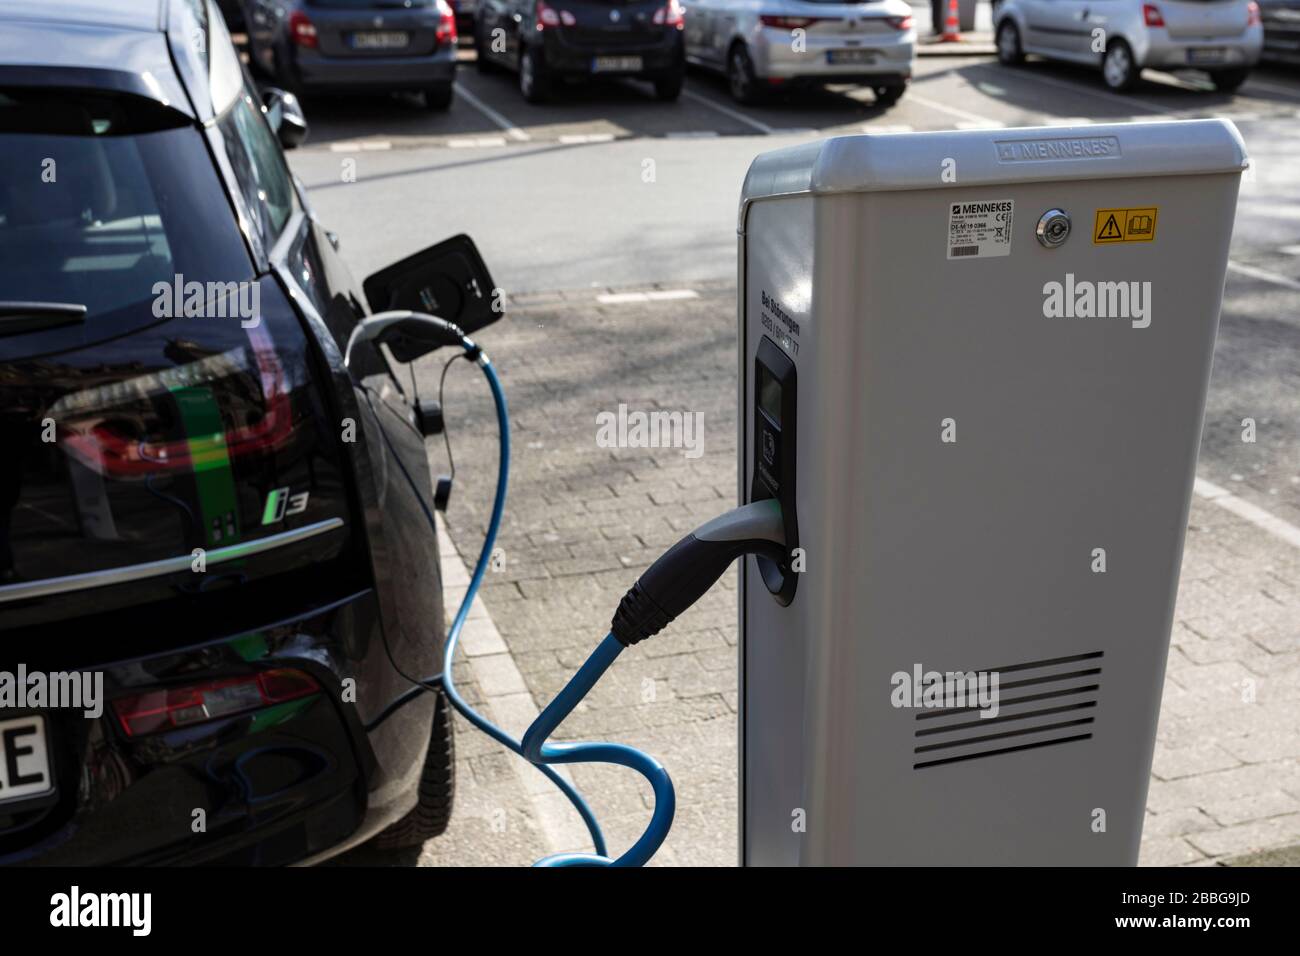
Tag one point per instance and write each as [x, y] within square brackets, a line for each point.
[1040, 704]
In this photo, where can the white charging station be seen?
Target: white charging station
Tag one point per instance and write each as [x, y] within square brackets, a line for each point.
[973, 368]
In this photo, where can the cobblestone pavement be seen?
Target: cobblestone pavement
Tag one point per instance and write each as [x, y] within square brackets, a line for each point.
[582, 522]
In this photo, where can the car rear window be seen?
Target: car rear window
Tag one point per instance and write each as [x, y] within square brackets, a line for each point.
[105, 196]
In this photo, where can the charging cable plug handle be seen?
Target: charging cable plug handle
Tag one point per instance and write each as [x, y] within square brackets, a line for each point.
[690, 567]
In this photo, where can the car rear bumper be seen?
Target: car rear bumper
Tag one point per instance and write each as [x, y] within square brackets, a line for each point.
[316, 72]
[1159, 51]
[774, 57]
[273, 786]
[657, 59]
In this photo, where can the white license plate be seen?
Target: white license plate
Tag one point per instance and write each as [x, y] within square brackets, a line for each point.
[836, 57]
[24, 759]
[380, 40]
[1206, 56]
[616, 64]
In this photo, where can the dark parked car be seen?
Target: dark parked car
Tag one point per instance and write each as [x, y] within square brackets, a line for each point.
[199, 500]
[355, 46]
[1281, 19]
[548, 41]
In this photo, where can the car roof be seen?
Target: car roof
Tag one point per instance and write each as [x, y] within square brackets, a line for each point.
[121, 45]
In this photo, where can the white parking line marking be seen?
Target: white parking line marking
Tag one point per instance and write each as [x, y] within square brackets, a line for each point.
[972, 120]
[887, 128]
[461, 142]
[574, 139]
[728, 111]
[511, 130]
[653, 295]
[692, 134]
[1264, 275]
[1252, 513]
[357, 145]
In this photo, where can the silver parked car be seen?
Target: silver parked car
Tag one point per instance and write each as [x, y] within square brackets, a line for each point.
[1221, 37]
[766, 45]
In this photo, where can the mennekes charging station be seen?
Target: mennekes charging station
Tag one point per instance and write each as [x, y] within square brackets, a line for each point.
[972, 372]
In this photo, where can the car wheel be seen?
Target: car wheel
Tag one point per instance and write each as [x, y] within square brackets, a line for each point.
[1225, 81]
[740, 76]
[438, 97]
[1117, 67]
[534, 84]
[888, 95]
[1010, 53]
[429, 817]
[668, 88]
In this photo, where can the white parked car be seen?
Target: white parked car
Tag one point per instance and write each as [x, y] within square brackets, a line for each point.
[765, 45]
[1221, 37]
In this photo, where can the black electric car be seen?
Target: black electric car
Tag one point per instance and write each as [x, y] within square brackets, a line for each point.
[199, 501]
[549, 40]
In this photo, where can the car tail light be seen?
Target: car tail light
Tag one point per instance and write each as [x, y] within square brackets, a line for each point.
[900, 23]
[303, 30]
[1252, 14]
[446, 32]
[671, 15]
[790, 23]
[114, 444]
[546, 16]
[1151, 16]
[193, 704]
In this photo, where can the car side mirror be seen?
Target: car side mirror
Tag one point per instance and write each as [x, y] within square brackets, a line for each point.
[449, 280]
[284, 113]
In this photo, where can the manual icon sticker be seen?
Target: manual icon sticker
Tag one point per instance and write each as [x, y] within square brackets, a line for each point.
[1125, 225]
[979, 230]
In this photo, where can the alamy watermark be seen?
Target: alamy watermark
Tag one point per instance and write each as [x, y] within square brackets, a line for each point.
[56, 690]
[658, 429]
[946, 689]
[1084, 299]
[208, 300]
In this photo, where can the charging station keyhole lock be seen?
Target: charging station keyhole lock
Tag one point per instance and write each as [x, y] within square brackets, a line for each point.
[774, 417]
[1053, 228]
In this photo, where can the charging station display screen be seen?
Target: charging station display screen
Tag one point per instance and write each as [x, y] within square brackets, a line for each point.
[769, 395]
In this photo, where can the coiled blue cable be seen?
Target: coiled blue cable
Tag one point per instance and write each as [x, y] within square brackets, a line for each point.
[534, 747]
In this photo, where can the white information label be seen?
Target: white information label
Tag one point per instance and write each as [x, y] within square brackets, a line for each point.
[979, 229]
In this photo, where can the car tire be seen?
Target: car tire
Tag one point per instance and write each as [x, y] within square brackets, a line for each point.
[534, 83]
[1118, 68]
[432, 810]
[669, 88]
[438, 97]
[741, 81]
[1226, 81]
[1010, 52]
[888, 95]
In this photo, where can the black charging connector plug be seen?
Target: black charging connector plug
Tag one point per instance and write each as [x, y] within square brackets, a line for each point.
[685, 571]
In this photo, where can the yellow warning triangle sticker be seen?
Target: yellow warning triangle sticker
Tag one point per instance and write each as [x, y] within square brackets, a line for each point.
[1110, 230]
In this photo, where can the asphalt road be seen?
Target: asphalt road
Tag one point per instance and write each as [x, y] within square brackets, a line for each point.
[558, 197]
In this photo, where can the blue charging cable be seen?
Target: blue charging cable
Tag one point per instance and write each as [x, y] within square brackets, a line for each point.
[672, 584]
[533, 748]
